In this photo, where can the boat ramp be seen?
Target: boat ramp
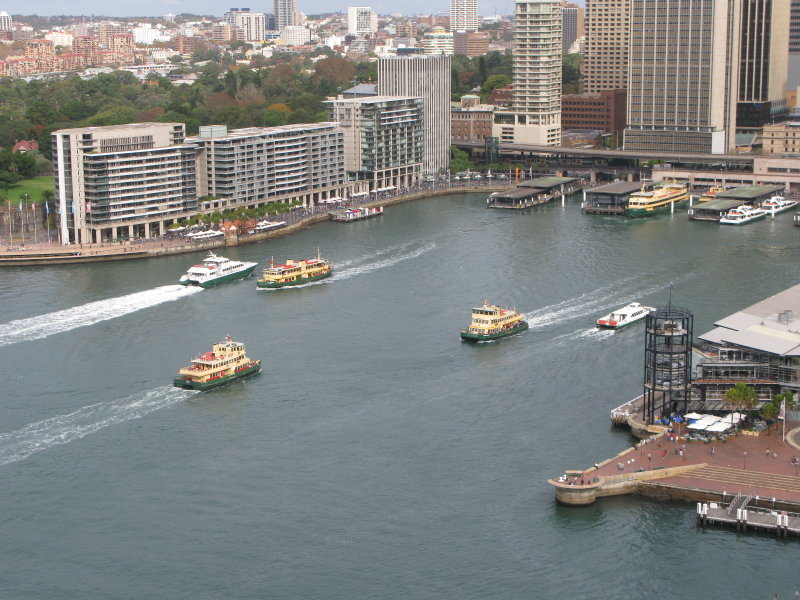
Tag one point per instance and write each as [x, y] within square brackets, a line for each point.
[534, 192]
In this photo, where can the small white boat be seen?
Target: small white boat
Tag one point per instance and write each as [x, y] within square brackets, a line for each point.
[777, 204]
[624, 316]
[263, 226]
[742, 214]
[215, 270]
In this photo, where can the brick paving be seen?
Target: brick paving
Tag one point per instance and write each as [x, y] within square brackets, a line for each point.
[753, 465]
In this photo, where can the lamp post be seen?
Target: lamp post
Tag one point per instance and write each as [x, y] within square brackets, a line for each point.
[744, 459]
[649, 460]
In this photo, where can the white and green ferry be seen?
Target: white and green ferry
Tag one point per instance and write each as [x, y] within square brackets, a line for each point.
[215, 270]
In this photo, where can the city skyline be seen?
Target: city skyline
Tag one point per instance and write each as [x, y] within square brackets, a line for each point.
[151, 8]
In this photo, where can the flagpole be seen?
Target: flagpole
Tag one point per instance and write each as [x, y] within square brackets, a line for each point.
[10, 226]
[47, 218]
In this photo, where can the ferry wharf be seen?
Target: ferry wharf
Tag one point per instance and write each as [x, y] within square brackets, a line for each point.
[750, 481]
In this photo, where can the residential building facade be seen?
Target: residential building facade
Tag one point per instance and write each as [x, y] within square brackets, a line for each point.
[426, 77]
[438, 41]
[383, 139]
[536, 70]
[605, 60]
[464, 15]
[361, 20]
[256, 165]
[285, 13]
[683, 75]
[122, 180]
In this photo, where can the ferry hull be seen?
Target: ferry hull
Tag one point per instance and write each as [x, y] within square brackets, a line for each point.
[276, 285]
[477, 337]
[635, 213]
[225, 278]
[207, 385]
[743, 222]
[618, 327]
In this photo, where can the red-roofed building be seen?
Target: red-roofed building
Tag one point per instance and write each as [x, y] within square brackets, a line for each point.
[25, 146]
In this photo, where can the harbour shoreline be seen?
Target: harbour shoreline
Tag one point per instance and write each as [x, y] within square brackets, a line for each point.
[49, 254]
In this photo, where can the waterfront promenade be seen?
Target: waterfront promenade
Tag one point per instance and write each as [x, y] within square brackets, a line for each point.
[752, 465]
[50, 253]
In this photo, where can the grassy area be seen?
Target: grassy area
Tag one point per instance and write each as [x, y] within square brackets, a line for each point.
[33, 187]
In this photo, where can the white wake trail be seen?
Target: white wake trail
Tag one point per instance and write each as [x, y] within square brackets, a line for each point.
[20, 444]
[41, 326]
[585, 304]
[381, 264]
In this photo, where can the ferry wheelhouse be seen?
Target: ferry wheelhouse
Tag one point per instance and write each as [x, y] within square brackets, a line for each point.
[226, 361]
[215, 270]
[627, 315]
[661, 199]
[295, 273]
[490, 322]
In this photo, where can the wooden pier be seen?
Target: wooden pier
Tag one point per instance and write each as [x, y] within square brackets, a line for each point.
[743, 513]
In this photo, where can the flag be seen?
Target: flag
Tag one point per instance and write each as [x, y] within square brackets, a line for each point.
[88, 207]
[20, 206]
[46, 207]
[782, 414]
[33, 207]
[74, 206]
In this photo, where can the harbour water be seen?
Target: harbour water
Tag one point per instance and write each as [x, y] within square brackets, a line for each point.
[376, 456]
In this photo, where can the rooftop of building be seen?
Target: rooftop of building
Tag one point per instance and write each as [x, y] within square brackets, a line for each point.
[371, 99]
[107, 128]
[751, 192]
[769, 325]
[618, 188]
[548, 182]
[220, 132]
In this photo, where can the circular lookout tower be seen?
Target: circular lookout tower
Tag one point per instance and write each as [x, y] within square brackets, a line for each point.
[667, 362]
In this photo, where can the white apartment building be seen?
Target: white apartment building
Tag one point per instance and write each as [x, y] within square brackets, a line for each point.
[426, 77]
[383, 139]
[438, 41]
[60, 38]
[535, 117]
[464, 15]
[256, 165]
[6, 22]
[122, 181]
[361, 20]
[683, 77]
[251, 24]
[295, 35]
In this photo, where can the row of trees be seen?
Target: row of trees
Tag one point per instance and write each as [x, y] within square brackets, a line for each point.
[742, 397]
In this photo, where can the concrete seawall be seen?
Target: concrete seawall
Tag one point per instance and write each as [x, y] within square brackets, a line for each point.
[64, 255]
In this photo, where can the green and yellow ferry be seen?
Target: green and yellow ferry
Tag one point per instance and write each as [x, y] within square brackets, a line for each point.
[660, 199]
[226, 361]
[490, 322]
[295, 273]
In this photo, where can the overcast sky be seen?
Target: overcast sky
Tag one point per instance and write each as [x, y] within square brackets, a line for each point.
[154, 8]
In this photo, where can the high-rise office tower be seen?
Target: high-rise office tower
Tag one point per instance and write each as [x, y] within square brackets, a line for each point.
[535, 117]
[426, 77]
[361, 20]
[683, 75]
[763, 63]
[572, 25]
[464, 15]
[794, 46]
[605, 59]
[285, 13]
